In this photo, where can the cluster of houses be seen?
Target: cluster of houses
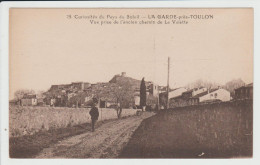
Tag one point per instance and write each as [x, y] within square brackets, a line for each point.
[183, 97]
[80, 94]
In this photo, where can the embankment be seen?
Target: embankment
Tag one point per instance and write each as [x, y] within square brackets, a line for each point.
[221, 130]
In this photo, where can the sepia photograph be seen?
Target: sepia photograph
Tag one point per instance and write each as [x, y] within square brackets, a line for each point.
[139, 83]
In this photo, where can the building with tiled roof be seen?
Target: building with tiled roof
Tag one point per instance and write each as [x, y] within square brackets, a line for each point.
[217, 94]
[28, 100]
[244, 92]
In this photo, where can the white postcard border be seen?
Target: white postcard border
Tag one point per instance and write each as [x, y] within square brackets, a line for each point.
[4, 77]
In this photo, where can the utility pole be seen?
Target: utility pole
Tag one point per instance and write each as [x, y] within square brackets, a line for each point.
[158, 99]
[99, 103]
[168, 79]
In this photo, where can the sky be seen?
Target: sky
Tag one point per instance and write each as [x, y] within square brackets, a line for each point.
[47, 48]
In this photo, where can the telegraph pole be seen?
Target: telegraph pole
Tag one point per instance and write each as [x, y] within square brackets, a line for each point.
[168, 79]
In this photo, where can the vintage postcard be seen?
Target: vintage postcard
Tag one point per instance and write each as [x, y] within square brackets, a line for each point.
[131, 83]
[125, 83]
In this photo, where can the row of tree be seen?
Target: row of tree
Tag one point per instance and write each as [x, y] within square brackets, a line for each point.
[230, 85]
[20, 93]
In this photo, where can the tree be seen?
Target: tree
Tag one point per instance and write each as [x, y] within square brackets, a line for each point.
[163, 100]
[124, 96]
[142, 93]
[20, 93]
[40, 94]
[233, 84]
[151, 102]
[202, 83]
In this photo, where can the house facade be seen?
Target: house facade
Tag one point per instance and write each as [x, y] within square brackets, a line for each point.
[212, 95]
[197, 91]
[182, 97]
[218, 94]
[175, 97]
[40, 101]
[192, 92]
[28, 100]
[176, 92]
[177, 102]
[199, 95]
[244, 92]
[137, 100]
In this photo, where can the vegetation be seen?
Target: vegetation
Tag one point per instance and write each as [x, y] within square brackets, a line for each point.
[30, 120]
[232, 85]
[30, 145]
[142, 93]
[202, 83]
[152, 103]
[20, 93]
[229, 86]
[124, 97]
[163, 100]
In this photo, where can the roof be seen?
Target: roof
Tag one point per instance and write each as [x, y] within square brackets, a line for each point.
[177, 97]
[194, 89]
[188, 91]
[29, 96]
[205, 93]
[171, 90]
[162, 87]
[175, 89]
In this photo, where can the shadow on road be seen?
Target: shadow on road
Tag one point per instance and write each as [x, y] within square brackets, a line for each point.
[30, 145]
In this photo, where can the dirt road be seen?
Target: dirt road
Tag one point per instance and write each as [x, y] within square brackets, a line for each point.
[106, 142]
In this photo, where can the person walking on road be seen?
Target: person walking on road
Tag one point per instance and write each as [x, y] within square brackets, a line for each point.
[94, 114]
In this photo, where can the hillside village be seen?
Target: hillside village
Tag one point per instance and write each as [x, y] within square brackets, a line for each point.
[80, 94]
